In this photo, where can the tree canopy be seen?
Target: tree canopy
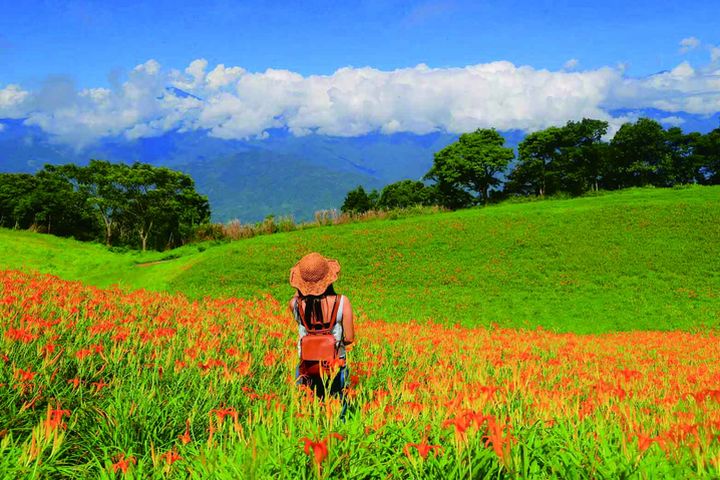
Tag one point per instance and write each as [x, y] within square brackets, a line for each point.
[467, 169]
[571, 159]
[135, 205]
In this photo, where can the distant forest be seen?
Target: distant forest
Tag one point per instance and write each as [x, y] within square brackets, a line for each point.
[138, 205]
[142, 206]
[569, 160]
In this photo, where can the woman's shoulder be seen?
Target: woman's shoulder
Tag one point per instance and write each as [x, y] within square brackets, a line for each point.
[293, 301]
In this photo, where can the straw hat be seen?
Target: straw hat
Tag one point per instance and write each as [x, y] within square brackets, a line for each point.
[313, 273]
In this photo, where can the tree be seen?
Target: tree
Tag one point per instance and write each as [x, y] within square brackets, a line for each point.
[357, 201]
[16, 207]
[469, 166]
[405, 193]
[102, 184]
[640, 154]
[161, 201]
[682, 164]
[707, 151]
[59, 207]
[536, 172]
[583, 155]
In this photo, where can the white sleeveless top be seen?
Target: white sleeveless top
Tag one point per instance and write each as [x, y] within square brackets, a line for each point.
[337, 329]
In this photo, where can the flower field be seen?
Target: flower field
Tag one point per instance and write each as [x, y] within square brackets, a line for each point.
[109, 383]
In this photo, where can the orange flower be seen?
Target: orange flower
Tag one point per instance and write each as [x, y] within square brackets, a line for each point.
[99, 385]
[54, 417]
[185, 437]
[122, 464]
[461, 424]
[497, 437]
[423, 449]
[25, 375]
[226, 412]
[319, 449]
[171, 457]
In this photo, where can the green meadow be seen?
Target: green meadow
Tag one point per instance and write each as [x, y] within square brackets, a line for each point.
[638, 259]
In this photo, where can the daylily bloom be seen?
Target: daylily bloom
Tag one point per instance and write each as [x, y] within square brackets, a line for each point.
[423, 448]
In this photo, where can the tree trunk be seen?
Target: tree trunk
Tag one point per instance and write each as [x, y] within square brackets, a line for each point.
[108, 230]
[144, 236]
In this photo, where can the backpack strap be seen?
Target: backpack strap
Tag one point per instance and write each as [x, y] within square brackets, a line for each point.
[334, 314]
[339, 316]
[323, 329]
[301, 315]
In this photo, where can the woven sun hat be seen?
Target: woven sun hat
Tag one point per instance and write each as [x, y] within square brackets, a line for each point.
[313, 273]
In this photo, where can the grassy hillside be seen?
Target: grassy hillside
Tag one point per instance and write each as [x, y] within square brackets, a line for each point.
[636, 259]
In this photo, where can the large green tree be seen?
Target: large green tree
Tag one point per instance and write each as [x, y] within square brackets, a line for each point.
[640, 154]
[681, 164]
[102, 183]
[16, 203]
[162, 203]
[467, 169]
[358, 201]
[59, 207]
[572, 159]
[707, 151]
[583, 155]
[405, 193]
[536, 171]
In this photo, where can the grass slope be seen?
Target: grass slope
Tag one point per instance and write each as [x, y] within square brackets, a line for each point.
[636, 259]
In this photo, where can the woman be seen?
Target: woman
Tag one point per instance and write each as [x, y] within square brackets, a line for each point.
[325, 324]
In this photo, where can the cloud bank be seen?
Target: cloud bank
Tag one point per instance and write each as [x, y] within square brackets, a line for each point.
[232, 103]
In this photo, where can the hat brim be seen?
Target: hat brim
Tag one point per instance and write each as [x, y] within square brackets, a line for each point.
[314, 288]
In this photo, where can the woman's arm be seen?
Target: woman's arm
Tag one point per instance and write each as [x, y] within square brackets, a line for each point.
[291, 304]
[348, 326]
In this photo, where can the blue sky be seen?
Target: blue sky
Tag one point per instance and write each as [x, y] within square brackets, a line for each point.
[86, 70]
[92, 41]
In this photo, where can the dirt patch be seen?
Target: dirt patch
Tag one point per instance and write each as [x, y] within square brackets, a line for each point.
[148, 264]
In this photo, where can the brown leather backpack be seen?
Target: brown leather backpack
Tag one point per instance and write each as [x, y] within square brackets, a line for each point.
[319, 343]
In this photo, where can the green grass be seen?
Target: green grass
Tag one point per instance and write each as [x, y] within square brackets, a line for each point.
[635, 259]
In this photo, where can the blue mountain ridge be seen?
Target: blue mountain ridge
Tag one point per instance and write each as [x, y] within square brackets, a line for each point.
[280, 174]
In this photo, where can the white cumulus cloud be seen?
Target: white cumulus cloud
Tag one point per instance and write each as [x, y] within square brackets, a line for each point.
[689, 43]
[715, 54]
[571, 64]
[683, 88]
[672, 120]
[230, 102]
[12, 99]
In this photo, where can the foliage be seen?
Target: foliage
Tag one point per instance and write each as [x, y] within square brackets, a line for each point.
[639, 153]
[635, 259]
[357, 201]
[405, 194]
[707, 150]
[122, 204]
[573, 159]
[534, 173]
[470, 165]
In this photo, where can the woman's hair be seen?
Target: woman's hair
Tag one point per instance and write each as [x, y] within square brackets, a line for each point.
[313, 305]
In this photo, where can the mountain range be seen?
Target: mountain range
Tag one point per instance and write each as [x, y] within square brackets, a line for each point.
[280, 174]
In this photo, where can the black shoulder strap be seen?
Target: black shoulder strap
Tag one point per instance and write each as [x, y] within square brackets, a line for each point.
[334, 314]
[301, 314]
[323, 328]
